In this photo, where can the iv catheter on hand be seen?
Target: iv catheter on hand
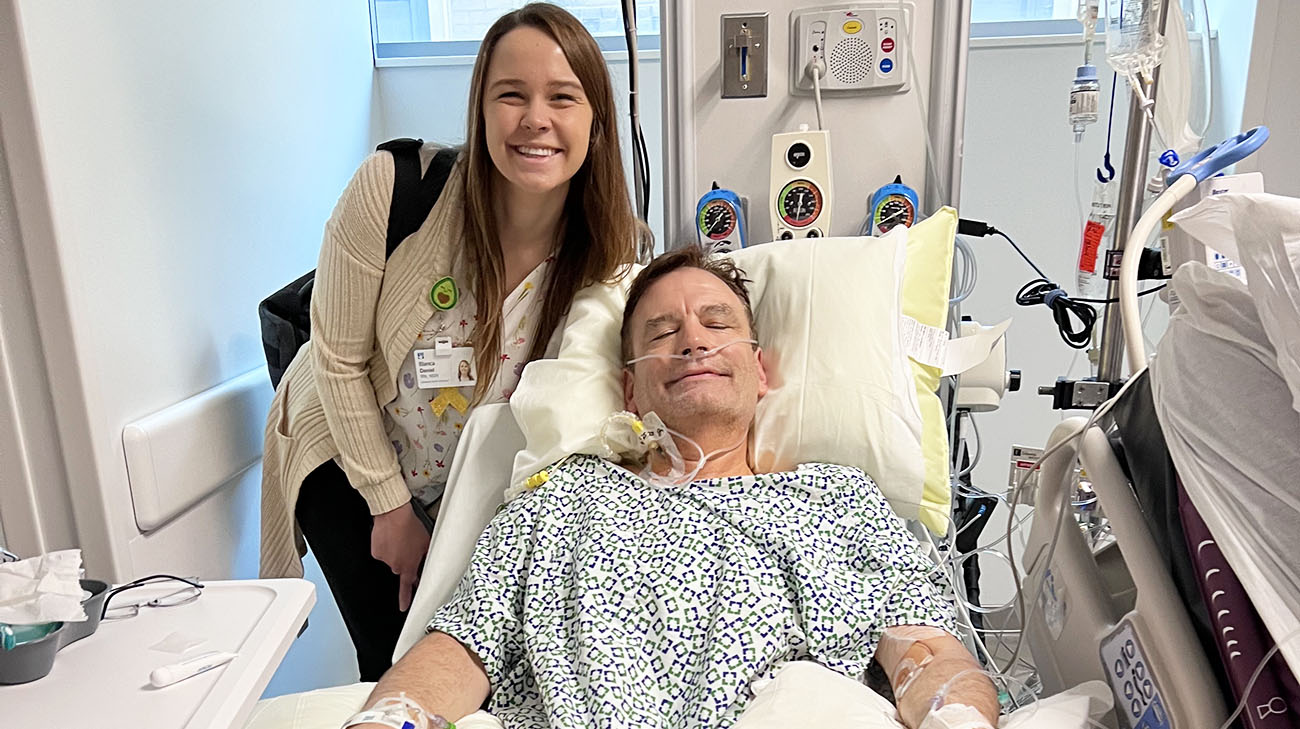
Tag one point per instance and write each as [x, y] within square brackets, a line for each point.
[1181, 181]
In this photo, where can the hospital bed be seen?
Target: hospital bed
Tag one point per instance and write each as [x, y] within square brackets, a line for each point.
[1193, 590]
[880, 414]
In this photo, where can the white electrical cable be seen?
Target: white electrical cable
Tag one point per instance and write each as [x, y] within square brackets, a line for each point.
[817, 90]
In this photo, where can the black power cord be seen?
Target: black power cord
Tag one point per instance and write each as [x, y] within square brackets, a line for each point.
[1066, 311]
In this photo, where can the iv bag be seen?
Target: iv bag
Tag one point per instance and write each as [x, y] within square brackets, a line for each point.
[1184, 84]
[1133, 43]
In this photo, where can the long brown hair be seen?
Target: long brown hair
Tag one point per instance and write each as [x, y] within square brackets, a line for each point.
[597, 230]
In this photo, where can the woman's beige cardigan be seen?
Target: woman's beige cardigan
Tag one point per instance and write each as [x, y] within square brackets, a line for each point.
[365, 315]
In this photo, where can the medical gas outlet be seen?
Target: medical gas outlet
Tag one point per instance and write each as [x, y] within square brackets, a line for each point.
[800, 189]
[861, 46]
[744, 55]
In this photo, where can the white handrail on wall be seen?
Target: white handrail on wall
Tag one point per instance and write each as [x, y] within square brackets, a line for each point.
[179, 455]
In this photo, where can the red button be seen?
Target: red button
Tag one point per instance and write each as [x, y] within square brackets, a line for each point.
[887, 45]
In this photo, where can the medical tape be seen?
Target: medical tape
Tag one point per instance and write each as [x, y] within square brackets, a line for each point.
[694, 354]
[904, 655]
[906, 674]
[624, 437]
[677, 474]
[955, 716]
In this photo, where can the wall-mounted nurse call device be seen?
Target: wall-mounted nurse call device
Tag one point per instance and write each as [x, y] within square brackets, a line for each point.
[720, 221]
[800, 191]
[861, 45]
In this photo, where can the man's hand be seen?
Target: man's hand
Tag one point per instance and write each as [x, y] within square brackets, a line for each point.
[399, 540]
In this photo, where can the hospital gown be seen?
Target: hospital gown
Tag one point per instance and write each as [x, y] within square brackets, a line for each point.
[598, 600]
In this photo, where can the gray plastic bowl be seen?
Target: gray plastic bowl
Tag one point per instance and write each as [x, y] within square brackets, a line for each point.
[33, 660]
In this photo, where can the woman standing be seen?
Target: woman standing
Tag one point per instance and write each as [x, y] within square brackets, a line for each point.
[361, 437]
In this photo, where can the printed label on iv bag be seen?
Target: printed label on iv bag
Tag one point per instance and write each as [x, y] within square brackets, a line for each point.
[1083, 103]
[1093, 232]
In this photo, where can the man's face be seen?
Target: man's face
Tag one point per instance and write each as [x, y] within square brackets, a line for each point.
[689, 310]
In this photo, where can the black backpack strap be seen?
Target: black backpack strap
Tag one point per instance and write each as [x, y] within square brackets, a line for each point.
[413, 196]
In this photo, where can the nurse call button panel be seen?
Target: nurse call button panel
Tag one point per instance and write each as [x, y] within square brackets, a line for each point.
[861, 46]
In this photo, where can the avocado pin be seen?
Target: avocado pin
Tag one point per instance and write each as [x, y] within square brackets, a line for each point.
[444, 294]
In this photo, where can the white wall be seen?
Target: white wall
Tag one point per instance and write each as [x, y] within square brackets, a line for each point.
[1235, 22]
[29, 448]
[1271, 97]
[1019, 175]
[172, 164]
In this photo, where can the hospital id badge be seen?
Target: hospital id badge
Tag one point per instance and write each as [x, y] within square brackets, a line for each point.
[444, 366]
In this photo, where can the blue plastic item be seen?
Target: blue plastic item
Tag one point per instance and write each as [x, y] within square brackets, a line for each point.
[720, 221]
[893, 205]
[1209, 162]
[13, 636]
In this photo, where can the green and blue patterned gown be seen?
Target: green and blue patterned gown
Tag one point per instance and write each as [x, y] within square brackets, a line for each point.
[599, 600]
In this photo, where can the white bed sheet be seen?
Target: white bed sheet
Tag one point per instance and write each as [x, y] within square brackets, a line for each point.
[475, 486]
[801, 694]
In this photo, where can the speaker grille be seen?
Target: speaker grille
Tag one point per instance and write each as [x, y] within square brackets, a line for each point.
[850, 60]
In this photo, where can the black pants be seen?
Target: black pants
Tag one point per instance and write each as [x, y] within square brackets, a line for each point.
[336, 523]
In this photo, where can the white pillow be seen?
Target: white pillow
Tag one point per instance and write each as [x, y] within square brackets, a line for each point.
[826, 311]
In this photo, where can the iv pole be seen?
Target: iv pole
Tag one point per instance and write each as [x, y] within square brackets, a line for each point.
[1137, 144]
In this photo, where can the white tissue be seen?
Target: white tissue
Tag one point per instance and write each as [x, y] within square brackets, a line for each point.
[42, 589]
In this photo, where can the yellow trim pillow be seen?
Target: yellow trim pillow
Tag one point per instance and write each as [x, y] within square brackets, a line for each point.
[927, 275]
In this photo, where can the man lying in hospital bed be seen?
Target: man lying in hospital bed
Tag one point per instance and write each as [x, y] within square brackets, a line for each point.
[840, 389]
[602, 598]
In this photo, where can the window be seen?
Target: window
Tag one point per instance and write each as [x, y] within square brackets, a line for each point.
[462, 22]
[1002, 18]
[999, 11]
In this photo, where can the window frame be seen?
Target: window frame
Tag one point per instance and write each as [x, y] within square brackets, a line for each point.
[437, 53]
[458, 52]
[1029, 28]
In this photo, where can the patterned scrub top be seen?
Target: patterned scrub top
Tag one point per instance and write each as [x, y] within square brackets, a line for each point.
[598, 600]
[424, 424]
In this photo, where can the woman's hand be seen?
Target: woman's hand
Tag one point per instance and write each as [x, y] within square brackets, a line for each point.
[399, 540]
